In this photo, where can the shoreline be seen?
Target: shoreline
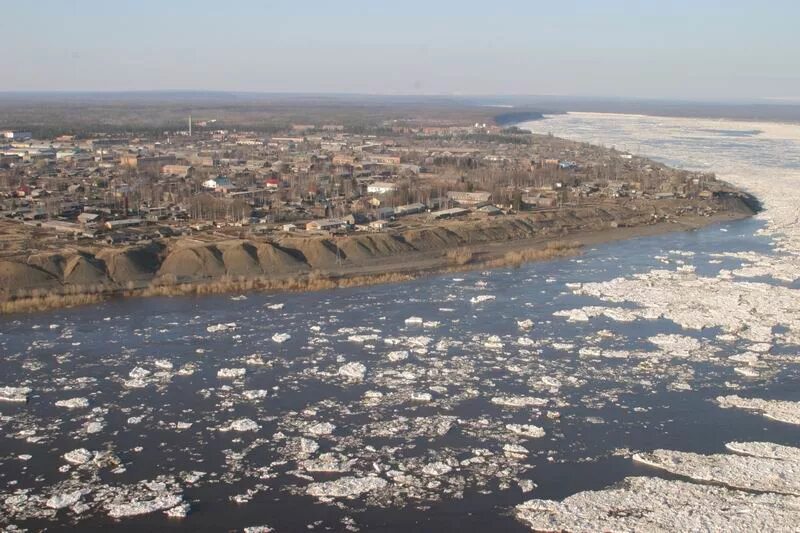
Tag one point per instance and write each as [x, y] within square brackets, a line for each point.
[391, 269]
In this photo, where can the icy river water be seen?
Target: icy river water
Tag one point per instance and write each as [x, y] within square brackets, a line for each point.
[643, 380]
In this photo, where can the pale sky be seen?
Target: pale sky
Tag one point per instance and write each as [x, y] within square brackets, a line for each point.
[700, 49]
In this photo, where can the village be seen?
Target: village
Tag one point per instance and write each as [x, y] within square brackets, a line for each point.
[310, 179]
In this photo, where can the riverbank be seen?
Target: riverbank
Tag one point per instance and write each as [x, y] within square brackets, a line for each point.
[319, 264]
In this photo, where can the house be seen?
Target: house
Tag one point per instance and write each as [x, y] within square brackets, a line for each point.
[382, 187]
[379, 225]
[88, 218]
[180, 171]
[122, 223]
[490, 210]
[409, 209]
[272, 183]
[356, 218]
[392, 160]
[17, 135]
[538, 201]
[385, 213]
[329, 224]
[289, 227]
[449, 213]
[218, 184]
[469, 198]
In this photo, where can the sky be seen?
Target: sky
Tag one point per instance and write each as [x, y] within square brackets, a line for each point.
[667, 49]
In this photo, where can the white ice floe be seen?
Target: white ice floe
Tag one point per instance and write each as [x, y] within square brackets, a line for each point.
[241, 425]
[436, 469]
[519, 401]
[782, 411]
[346, 487]
[141, 507]
[216, 328]
[742, 472]
[397, 355]
[659, 505]
[421, 397]
[481, 298]
[255, 394]
[515, 450]
[73, 403]
[767, 450]
[354, 371]
[414, 321]
[78, 456]
[361, 339]
[64, 499]
[231, 373]
[14, 394]
[493, 342]
[281, 337]
[525, 325]
[526, 430]
[321, 428]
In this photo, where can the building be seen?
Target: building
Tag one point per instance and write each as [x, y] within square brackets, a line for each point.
[469, 198]
[385, 159]
[218, 184]
[379, 225]
[151, 164]
[180, 171]
[409, 209]
[330, 224]
[381, 187]
[449, 213]
[16, 135]
[122, 223]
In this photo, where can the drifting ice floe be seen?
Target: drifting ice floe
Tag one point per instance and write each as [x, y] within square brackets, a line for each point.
[481, 298]
[73, 403]
[354, 371]
[243, 424]
[526, 430]
[14, 394]
[782, 411]
[80, 456]
[525, 324]
[346, 487]
[137, 507]
[519, 401]
[221, 327]
[281, 337]
[767, 450]
[231, 373]
[658, 505]
[748, 473]
[67, 499]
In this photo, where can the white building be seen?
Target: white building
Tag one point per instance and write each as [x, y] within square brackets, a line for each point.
[17, 135]
[381, 187]
[220, 183]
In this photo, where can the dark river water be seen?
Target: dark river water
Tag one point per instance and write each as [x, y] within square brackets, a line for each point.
[433, 416]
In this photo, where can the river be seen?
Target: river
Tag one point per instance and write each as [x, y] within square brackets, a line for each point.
[445, 401]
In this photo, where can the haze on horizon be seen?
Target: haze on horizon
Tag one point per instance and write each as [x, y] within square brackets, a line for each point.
[682, 49]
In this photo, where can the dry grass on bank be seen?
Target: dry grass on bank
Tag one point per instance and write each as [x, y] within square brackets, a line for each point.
[313, 282]
[459, 256]
[517, 258]
[50, 301]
